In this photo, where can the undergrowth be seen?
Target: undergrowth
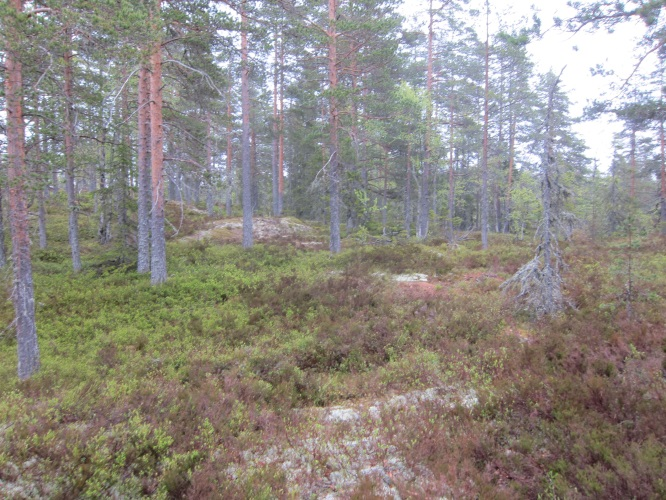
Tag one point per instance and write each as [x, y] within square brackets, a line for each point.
[160, 391]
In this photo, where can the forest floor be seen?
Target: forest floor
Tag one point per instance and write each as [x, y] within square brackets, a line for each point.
[388, 371]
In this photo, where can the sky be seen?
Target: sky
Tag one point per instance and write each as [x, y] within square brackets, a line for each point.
[579, 52]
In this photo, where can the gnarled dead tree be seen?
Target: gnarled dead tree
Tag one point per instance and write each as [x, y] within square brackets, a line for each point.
[540, 280]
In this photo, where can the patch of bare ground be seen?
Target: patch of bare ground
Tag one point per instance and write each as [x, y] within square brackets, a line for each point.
[422, 287]
[417, 290]
[340, 451]
[265, 230]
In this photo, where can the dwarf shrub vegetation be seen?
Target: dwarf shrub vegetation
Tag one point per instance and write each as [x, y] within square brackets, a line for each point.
[158, 391]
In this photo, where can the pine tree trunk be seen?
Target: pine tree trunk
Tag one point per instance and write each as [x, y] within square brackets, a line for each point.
[253, 169]
[498, 208]
[363, 155]
[41, 208]
[275, 139]
[408, 192]
[281, 133]
[43, 242]
[593, 228]
[245, 140]
[23, 293]
[484, 163]
[173, 187]
[449, 225]
[158, 266]
[632, 189]
[123, 179]
[512, 142]
[196, 183]
[424, 205]
[55, 181]
[92, 178]
[210, 188]
[3, 248]
[385, 193]
[662, 198]
[353, 206]
[333, 137]
[104, 230]
[435, 211]
[230, 152]
[69, 160]
[143, 167]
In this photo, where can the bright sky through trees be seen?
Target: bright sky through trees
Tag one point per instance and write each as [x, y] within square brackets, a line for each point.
[579, 52]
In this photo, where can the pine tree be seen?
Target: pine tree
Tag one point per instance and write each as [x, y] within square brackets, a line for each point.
[245, 139]
[158, 265]
[23, 293]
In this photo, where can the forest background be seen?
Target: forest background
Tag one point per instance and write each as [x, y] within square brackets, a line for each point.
[146, 142]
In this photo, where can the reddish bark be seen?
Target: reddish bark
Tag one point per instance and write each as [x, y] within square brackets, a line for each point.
[334, 124]
[23, 294]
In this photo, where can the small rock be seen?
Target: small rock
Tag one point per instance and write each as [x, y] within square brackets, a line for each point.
[29, 463]
[340, 414]
[410, 278]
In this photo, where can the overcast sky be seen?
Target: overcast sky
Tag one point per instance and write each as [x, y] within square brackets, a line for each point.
[579, 52]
